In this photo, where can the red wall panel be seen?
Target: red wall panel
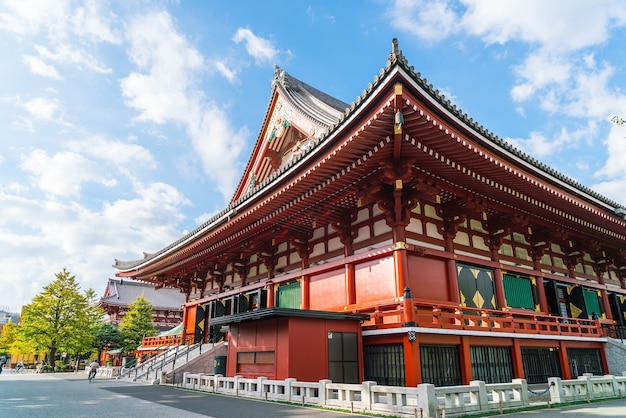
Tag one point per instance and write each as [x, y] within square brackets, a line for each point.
[375, 280]
[327, 290]
[428, 278]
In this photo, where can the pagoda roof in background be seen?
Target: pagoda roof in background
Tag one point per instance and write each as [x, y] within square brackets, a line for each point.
[120, 292]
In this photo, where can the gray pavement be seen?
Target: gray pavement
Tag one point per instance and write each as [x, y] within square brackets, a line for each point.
[616, 408]
[70, 395]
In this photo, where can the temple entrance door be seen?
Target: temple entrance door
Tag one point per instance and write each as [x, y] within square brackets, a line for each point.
[343, 357]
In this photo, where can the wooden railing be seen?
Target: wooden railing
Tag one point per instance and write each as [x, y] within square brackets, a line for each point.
[162, 341]
[437, 315]
[444, 316]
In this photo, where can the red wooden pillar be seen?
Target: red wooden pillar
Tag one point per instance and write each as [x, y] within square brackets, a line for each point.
[350, 284]
[401, 262]
[412, 361]
[607, 304]
[466, 360]
[605, 363]
[453, 280]
[518, 365]
[565, 371]
[499, 286]
[541, 294]
[305, 292]
[270, 294]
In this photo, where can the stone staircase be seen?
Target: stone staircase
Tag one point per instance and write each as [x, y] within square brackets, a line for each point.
[169, 366]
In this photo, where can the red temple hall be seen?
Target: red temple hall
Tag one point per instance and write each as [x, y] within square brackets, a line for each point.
[396, 240]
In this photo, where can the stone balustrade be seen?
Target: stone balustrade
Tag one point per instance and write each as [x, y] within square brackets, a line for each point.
[425, 400]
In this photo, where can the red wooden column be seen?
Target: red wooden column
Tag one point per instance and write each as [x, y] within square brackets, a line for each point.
[541, 294]
[270, 294]
[401, 262]
[466, 360]
[607, 304]
[412, 360]
[565, 371]
[499, 286]
[453, 280]
[518, 365]
[305, 292]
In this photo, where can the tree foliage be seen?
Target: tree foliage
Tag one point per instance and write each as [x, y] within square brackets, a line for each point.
[7, 337]
[106, 336]
[60, 318]
[136, 324]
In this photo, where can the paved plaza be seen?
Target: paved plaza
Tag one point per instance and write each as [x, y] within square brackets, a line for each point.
[70, 395]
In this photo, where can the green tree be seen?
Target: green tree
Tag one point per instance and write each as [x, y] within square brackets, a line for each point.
[136, 324]
[60, 318]
[107, 336]
[7, 337]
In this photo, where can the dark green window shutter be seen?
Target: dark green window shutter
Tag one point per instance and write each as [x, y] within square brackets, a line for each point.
[476, 286]
[289, 295]
[592, 303]
[518, 292]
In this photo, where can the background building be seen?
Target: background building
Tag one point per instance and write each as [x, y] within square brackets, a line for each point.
[167, 311]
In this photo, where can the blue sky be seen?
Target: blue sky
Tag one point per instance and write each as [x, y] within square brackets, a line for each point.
[124, 125]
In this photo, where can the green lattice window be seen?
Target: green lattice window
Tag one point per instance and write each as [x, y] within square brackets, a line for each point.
[519, 292]
[591, 302]
[289, 295]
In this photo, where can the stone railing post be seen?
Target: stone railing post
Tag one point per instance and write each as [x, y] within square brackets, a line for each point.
[260, 387]
[236, 384]
[556, 390]
[614, 385]
[322, 391]
[288, 390]
[366, 394]
[426, 399]
[481, 399]
[523, 396]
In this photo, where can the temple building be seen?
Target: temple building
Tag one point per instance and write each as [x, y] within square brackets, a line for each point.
[167, 304]
[395, 239]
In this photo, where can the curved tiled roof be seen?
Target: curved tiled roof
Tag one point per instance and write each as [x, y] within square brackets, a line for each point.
[328, 110]
[123, 293]
[315, 104]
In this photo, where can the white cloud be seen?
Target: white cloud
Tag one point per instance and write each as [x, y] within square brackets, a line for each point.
[114, 153]
[614, 167]
[552, 25]
[37, 66]
[41, 108]
[428, 20]
[539, 70]
[262, 50]
[30, 17]
[57, 235]
[63, 173]
[540, 146]
[165, 91]
[165, 87]
[93, 22]
[68, 55]
[229, 73]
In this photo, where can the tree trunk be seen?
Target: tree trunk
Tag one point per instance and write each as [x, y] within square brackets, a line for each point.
[52, 357]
